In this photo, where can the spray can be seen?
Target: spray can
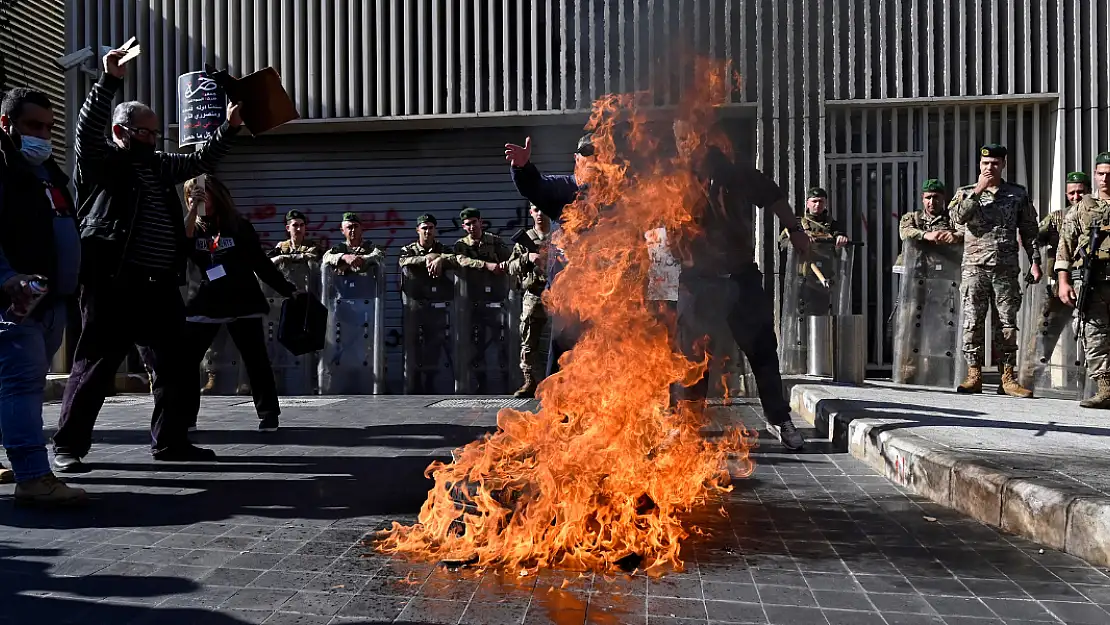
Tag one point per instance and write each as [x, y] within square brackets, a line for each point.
[38, 288]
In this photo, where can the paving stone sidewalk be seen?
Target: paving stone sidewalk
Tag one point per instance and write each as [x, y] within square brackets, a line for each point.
[1036, 467]
[270, 534]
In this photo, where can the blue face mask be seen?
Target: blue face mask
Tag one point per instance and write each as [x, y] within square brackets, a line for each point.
[35, 150]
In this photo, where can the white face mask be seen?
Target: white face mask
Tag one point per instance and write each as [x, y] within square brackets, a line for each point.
[35, 150]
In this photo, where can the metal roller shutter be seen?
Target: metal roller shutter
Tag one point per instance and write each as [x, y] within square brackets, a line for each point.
[31, 36]
[389, 178]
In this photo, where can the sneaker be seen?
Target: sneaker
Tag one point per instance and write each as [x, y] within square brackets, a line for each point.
[48, 491]
[68, 463]
[7, 476]
[788, 435]
[268, 424]
[184, 453]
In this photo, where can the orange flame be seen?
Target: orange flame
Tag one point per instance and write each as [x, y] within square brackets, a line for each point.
[606, 469]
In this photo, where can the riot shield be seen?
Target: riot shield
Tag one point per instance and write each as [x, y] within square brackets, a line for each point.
[427, 326]
[1050, 362]
[223, 363]
[294, 375]
[353, 359]
[927, 334]
[817, 286]
[487, 342]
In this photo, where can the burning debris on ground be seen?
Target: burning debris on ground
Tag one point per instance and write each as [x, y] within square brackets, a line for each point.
[604, 475]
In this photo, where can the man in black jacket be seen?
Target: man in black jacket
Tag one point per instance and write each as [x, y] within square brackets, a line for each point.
[134, 253]
[38, 240]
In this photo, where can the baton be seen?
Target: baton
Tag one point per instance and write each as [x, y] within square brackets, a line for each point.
[820, 276]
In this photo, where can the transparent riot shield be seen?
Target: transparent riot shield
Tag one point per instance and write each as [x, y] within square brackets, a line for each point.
[487, 342]
[1050, 362]
[294, 375]
[353, 359]
[927, 333]
[817, 286]
[222, 371]
[427, 327]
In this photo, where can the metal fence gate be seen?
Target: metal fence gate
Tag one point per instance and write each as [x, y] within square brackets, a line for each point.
[868, 195]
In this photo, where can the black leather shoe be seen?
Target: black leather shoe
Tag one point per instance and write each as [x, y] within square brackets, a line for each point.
[68, 463]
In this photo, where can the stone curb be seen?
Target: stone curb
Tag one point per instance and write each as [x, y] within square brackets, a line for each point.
[1068, 518]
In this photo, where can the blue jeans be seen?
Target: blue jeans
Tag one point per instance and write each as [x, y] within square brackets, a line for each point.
[25, 354]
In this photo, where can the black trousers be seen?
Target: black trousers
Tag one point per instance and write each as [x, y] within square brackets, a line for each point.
[715, 306]
[250, 339]
[132, 310]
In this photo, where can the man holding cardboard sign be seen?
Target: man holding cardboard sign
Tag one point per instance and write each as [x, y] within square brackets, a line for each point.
[134, 250]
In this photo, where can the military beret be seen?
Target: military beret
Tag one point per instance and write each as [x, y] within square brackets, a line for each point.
[426, 219]
[1078, 177]
[585, 145]
[932, 185]
[1103, 159]
[294, 214]
[993, 150]
[816, 192]
[351, 217]
[470, 213]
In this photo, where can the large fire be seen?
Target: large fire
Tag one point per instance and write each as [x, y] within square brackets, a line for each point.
[603, 474]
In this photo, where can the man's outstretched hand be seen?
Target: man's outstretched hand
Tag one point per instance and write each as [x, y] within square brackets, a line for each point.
[519, 155]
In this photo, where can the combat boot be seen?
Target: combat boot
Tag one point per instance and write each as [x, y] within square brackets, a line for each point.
[48, 491]
[1101, 398]
[210, 386]
[528, 390]
[1010, 385]
[973, 383]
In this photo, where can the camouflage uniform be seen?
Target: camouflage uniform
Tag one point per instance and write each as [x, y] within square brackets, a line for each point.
[294, 262]
[334, 257]
[533, 316]
[1074, 236]
[475, 254]
[915, 225]
[822, 226]
[413, 254]
[1054, 315]
[990, 225]
[471, 254]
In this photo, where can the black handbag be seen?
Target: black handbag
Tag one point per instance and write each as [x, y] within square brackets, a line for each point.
[303, 324]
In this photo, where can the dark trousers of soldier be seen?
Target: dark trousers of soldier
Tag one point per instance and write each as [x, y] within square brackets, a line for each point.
[1096, 332]
[533, 352]
[133, 310]
[978, 288]
[740, 305]
[250, 339]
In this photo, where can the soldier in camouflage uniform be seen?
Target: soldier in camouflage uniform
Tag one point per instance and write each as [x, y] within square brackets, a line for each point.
[817, 222]
[355, 254]
[1092, 210]
[530, 269]
[486, 253]
[427, 251]
[1055, 315]
[427, 256]
[295, 249]
[991, 215]
[930, 224]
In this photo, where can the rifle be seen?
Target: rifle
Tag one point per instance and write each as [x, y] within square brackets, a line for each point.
[1086, 276]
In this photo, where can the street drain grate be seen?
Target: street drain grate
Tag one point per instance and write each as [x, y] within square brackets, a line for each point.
[301, 401]
[508, 402]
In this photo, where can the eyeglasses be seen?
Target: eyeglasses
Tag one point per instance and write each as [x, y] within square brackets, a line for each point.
[145, 132]
[586, 150]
